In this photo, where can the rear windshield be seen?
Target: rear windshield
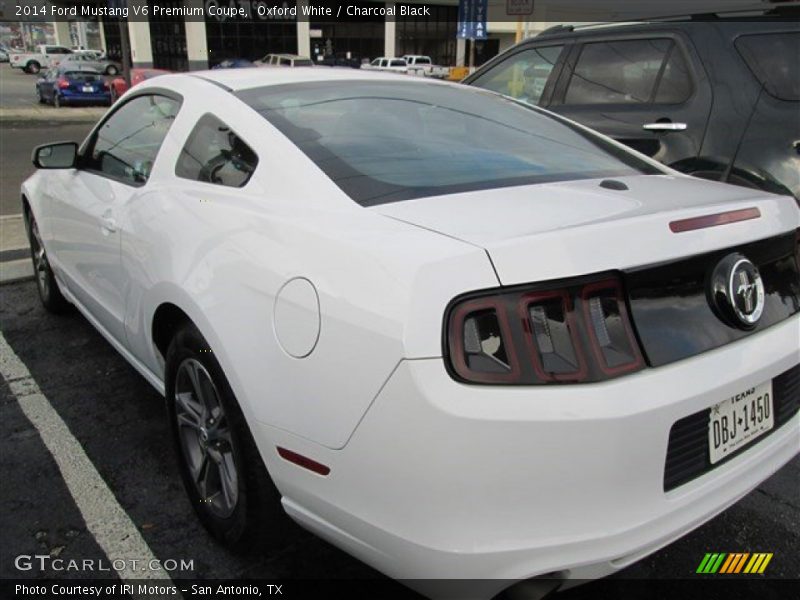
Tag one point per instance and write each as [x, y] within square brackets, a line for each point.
[80, 76]
[388, 141]
[775, 59]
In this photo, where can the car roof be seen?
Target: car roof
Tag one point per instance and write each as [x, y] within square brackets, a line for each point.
[242, 79]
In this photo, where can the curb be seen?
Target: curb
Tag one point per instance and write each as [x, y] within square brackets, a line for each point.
[80, 115]
[16, 270]
[15, 259]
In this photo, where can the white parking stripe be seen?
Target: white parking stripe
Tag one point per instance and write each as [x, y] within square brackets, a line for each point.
[105, 518]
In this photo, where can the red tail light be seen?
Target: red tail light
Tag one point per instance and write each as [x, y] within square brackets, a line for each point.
[63, 83]
[575, 331]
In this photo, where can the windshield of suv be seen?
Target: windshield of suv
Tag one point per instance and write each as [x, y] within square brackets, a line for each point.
[388, 141]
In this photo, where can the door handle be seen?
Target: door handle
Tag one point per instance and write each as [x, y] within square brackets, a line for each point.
[664, 126]
[108, 224]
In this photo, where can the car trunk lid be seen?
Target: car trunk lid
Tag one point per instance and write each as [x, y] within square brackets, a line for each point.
[555, 230]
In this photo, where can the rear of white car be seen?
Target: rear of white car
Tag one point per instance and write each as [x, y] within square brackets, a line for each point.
[583, 409]
[579, 477]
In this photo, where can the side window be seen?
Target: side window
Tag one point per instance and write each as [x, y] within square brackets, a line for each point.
[773, 58]
[285, 62]
[629, 72]
[126, 146]
[398, 63]
[524, 75]
[215, 154]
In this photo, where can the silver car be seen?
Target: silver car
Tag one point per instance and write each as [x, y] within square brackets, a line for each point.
[90, 59]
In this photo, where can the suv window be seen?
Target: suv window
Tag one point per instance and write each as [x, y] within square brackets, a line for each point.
[773, 58]
[126, 145]
[629, 72]
[524, 75]
[398, 63]
[58, 50]
[215, 154]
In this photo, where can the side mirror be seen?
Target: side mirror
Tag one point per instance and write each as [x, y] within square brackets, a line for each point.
[61, 155]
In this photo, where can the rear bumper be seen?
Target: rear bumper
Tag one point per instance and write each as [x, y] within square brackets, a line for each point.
[73, 98]
[445, 480]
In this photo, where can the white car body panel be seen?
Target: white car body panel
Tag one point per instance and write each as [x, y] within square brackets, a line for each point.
[374, 401]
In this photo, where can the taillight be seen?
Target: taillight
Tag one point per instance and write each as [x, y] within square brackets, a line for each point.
[573, 331]
[63, 83]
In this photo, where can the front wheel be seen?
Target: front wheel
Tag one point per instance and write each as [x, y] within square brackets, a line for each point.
[222, 471]
[46, 282]
[33, 67]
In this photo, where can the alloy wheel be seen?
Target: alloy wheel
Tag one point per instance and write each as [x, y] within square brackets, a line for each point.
[205, 437]
[40, 264]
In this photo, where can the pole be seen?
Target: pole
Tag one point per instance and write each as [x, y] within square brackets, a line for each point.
[471, 54]
[518, 39]
[126, 51]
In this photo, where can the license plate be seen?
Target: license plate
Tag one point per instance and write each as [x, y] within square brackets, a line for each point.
[739, 420]
[88, 89]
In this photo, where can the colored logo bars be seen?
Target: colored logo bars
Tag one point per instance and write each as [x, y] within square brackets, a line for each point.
[734, 562]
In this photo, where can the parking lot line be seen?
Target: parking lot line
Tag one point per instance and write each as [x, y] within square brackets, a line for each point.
[105, 519]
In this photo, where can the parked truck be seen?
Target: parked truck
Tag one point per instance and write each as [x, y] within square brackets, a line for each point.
[423, 66]
[45, 57]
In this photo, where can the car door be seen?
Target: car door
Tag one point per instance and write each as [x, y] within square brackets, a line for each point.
[88, 212]
[528, 74]
[646, 91]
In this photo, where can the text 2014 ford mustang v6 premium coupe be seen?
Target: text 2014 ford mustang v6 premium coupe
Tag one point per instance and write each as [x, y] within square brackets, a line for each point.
[457, 336]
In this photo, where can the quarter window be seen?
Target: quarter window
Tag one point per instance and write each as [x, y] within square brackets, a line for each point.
[629, 72]
[126, 145]
[213, 153]
[524, 75]
[774, 60]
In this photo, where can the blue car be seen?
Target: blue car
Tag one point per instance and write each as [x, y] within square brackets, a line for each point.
[73, 85]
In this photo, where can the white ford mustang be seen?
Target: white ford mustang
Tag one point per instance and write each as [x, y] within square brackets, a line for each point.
[456, 336]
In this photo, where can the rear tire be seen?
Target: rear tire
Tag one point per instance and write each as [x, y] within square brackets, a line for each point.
[41, 97]
[111, 70]
[56, 100]
[33, 67]
[46, 283]
[221, 468]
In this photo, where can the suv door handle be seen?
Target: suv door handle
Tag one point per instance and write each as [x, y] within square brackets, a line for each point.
[664, 126]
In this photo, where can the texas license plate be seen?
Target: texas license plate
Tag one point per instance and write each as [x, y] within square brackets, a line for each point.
[88, 89]
[737, 421]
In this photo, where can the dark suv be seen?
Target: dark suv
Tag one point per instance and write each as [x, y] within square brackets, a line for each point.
[718, 99]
